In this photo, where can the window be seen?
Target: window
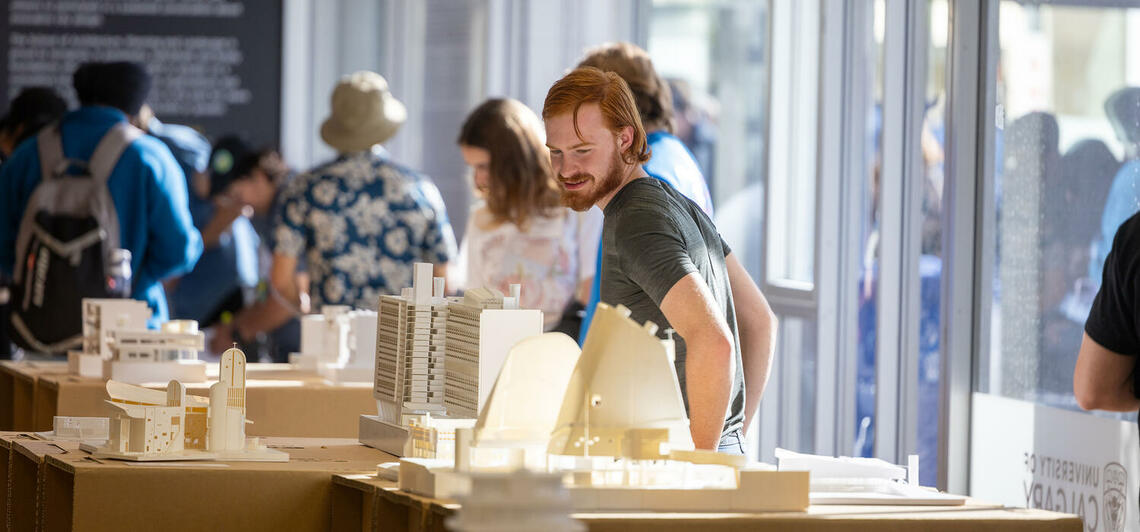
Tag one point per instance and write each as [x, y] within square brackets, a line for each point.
[1064, 179]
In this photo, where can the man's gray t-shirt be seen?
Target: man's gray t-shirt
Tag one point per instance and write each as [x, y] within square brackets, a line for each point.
[653, 236]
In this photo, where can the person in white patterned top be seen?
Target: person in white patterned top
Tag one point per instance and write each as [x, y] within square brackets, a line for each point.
[518, 232]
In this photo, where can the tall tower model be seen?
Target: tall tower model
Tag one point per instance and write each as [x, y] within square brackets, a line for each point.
[227, 404]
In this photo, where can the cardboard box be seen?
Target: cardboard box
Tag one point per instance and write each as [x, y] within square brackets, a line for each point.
[25, 479]
[18, 382]
[88, 495]
[280, 402]
[6, 439]
[366, 503]
[370, 504]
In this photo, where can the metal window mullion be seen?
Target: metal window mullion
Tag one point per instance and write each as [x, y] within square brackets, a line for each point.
[969, 129]
[834, 418]
[900, 188]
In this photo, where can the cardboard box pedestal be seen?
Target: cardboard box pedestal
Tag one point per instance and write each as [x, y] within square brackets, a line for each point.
[364, 502]
[279, 402]
[89, 495]
[18, 387]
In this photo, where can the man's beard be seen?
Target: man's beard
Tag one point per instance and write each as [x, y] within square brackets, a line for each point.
[583, 200]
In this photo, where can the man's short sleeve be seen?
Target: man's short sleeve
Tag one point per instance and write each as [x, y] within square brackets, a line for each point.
[1112, 320]
[289, 221]
[652, 251]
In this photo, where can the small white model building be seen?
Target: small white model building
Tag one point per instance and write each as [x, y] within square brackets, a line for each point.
[619, 437]
[100, 318]
[515, 502]
[149, 425]
[117, 345]
[435, 360]
[82, 429]
[339, 344]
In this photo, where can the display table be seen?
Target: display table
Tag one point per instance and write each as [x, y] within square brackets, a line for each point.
[279, 401]
[363, 502]
[84, 494]
[18, 381]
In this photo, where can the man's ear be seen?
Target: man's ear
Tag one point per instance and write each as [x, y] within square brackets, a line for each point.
[625, 138]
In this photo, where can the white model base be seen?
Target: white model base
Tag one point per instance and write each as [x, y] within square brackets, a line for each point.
[379, 434]
[245, 455]
[758, 491]
[85, 365]
[158, 372]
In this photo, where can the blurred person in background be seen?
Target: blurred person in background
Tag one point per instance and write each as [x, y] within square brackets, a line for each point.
[30, 111]
[518, 232]
[360, 221]
[270, 324]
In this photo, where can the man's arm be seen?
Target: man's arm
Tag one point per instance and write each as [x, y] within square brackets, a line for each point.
[756, 325]
[283, 278]
[1102, 379]
[709, 362]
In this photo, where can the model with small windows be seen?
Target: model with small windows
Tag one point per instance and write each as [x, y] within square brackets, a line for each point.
[152, 425]
[117, 345]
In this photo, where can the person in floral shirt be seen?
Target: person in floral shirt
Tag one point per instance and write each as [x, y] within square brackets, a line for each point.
[360, 221]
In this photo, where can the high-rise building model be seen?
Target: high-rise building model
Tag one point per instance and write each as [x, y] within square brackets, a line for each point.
[436, 358]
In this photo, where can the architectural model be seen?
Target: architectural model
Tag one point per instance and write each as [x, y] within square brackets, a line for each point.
[481, 328]
[419, 333]
[150, 425]
[94, 430]
[117, 345]
[100, 318]
[620, 439]
[520, 500]
[339, 344]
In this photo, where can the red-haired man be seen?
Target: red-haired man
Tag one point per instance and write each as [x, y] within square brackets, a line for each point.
[662, 256]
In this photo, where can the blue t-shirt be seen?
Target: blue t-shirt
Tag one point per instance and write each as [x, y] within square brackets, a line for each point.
[229, 265]
[147, 188]
[671, 162]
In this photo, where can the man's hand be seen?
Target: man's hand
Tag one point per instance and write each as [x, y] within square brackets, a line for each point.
[709, 362]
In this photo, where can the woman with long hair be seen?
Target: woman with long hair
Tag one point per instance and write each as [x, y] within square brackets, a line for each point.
[518, 232]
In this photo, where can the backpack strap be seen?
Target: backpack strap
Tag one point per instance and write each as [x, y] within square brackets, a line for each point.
[110, 147]
[50, 146]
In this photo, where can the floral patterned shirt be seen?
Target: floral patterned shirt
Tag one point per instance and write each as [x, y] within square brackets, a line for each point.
[361, 221]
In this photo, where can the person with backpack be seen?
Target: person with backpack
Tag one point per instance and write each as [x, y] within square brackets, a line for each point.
[30, 110]
[92, 207]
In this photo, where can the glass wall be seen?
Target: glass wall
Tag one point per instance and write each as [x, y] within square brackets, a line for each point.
[1065, 177]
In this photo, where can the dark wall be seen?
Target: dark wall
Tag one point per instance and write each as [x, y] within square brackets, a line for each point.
[216, 63]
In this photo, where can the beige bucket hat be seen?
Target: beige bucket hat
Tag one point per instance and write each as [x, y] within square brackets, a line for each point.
[364, 113]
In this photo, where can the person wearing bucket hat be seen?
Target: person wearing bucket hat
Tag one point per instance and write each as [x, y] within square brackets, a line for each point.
[361, 220]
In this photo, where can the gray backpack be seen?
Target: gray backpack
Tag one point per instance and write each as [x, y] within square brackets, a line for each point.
[67, 241]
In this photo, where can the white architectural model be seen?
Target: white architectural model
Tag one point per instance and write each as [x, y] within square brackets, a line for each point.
[620, 437]
[417, 392]
[149, 425]
[339, 344]
[518, 501]
[94, 430]
[481, 329]
[117, 345]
